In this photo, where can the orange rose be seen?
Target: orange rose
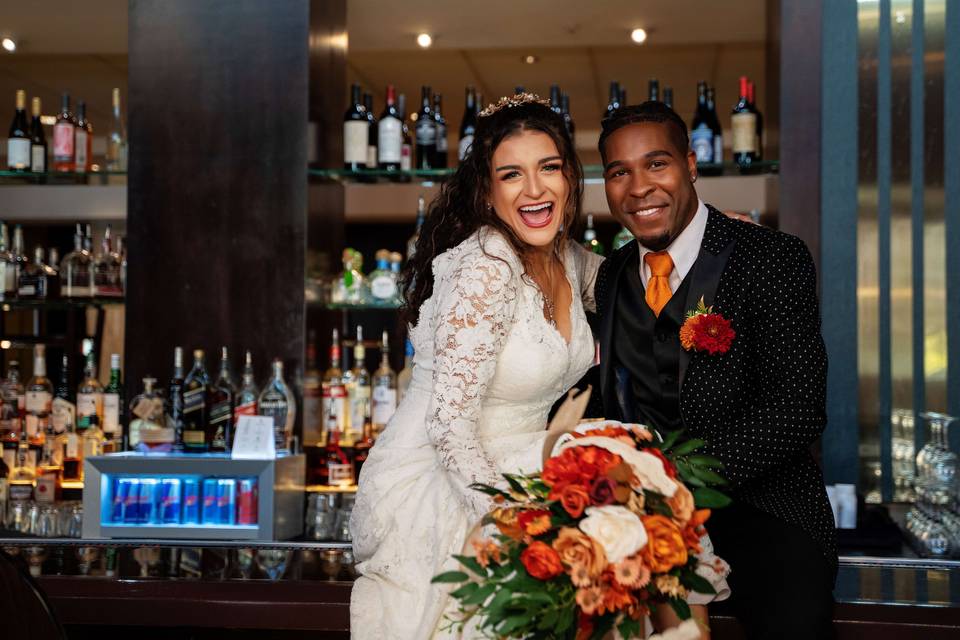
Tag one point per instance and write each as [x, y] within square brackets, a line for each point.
[541, 561]
[595, 461]
[694, 529]
[574, 499]
[665, 544]
[534, 522]
[561, 469]
[579, 551]
[681, 504]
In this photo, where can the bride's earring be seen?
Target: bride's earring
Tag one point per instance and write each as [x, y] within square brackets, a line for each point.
[693, 178]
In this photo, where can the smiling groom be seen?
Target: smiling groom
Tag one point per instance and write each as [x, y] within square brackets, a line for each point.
[758, 399]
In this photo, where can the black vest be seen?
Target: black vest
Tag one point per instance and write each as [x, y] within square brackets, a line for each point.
[646, 351]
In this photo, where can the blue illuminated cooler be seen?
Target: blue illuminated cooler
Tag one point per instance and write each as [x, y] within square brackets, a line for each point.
[193, 496]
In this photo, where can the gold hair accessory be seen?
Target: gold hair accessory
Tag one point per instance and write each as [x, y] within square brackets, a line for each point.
[515, 100]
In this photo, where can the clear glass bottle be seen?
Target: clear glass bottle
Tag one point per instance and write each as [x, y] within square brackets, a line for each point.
[35, 279]
[384, 390]
[77, 270]
[38, 399]
[383, 283]
[89, 397]
[23, 475]
[116, 138]
[8, 267]
[277, 401]
[350, 286]
[312, 396]
[107, 276]
[11, 411]
[146, 414]
[333, 390]
[220, 398]
[358, 383]
[590, 241]
[18, 251]
[114, 405]
[421, 216]
[246, 402]
[195, 405]
[406, 374]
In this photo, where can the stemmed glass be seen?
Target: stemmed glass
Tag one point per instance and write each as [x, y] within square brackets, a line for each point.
[273, 562]
[936, 464]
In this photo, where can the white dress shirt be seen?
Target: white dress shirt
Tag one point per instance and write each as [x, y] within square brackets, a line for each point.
[683, 250]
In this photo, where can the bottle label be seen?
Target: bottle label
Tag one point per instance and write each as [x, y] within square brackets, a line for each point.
[406, 158]
[340, 473]
[219, 423]
[71, 448]
[38, 401]
[18, 153]
[46, 488]
[20, 492]
[355, 134]
[277, 409]
[390, 140]
[81, 148]
[717, 148]
[701, 141]
[9, 277]
[92, 446]
[384, 404]
[383, 287]
[111, 413]
[359, 400]
[86, 408]
[38, 158]
[28, 286]
[63, 413]
[245, 409]
[192, 401]
[193, 437]
[441, 138]
[63, 141]
[371, 157]
[464, 147]
[744, 132]
[426, 132]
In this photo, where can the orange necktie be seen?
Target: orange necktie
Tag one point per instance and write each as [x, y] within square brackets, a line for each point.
[658, 286]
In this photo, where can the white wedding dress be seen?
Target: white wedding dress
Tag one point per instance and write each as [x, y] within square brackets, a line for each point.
[488, 367]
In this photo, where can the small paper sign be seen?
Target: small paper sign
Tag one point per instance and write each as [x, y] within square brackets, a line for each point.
[254, 439]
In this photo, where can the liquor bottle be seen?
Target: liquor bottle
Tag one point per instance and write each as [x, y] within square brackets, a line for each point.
[426, 132]
[63, 412]
[384, 390]
[35, 278]
[38, 398]
[653, 90]
[406, 374]
[313, 428]
[175, 400]
[406, 150]
[8, 267]
[622, 238]
[49, 487]
[246, 402]
[277, 401]
[333, 390]
[116, 138]
[19, 255]
[590, 241]
[356, 131]
[107, 270]
[18, 140]
[555, 101]
[421, 216]
[751, 97]
[440, 157]
[567, 117]
[89, 396]
[64, 155]
[77, 270]
[623, 97]
[38, 141]
[146, 415]
[743, 121]
[92, 440]
[390, 134]
[195, 387]
[83, 139]
[383, 285]
[371, 132]
[361, 450]
[114, 405]
[220, 399]
[614, 102]
[668, 96]
[701, 131]
[468, 124]
[11, 412]
[336, 468]
[71, 453]
[350, 287]
[357, 382]
[396, 263]
[23, 475]
[715, 125]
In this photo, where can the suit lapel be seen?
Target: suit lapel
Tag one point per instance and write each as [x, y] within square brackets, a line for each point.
[607, 375]
[715, 250]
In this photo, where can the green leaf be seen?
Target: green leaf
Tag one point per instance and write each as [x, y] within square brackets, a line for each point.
[450, 577]
[514, 484]
[465, 591]
[680, 607]
[671, 438]
[567, 619]
[499, 602]
[708, 476]
[698, 583]
[710, 498]
[689, 446]
[471, 563]
[548, 620]
[480, 595]
[512, 624]
[703, 460]
[629, 628]
[490, 491]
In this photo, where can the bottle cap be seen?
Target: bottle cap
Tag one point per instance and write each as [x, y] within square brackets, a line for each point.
[114, 360]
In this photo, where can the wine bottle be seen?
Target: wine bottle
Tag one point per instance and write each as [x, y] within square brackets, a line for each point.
[83, 139]
[38, 141]
[355, 132]
[668, 97]
[389, 137]
[653, 90]
[426, 132]
[715, 125]
[406, 151]
[701, 133]
[614, 102]
[468, 124]
[372, 132]
[555, 102]
[567, 118]
[18, 140]
[751, 95]
[743, 121]
[116, 138]
[63, 143]
[440, 157]
[114, 403]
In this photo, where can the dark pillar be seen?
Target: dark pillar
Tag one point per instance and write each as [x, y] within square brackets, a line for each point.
[217, 186]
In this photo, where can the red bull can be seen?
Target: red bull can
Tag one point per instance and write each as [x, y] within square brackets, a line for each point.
[131, 500]
[191, 501]
[170, 500]
[227, 501]
[149, 492]
[211, 514]
[120, 490]
[247, 500]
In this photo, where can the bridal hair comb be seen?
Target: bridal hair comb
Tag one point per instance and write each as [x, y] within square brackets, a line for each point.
[516, 100]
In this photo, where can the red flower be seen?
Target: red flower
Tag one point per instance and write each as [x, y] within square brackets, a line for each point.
[709, 332]
[534, 522]
[562, 469]
[667, 465]
[601, 491]
[541, 561]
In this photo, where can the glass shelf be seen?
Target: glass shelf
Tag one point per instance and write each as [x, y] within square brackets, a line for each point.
[327, 488]
[346, 306]
[58, 177]
[58, 303]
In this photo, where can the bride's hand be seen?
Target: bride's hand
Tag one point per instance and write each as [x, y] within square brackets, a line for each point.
[664, 619]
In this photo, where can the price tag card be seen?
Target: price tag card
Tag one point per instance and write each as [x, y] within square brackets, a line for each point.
[254, 439]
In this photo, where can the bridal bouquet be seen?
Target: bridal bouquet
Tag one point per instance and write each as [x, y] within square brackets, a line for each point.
[606, 533]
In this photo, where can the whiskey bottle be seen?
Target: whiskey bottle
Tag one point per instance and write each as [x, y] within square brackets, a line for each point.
[384, 391]
[23, 475]
[220, 400]
[113, 406]
[106, 279]
[175, 400]
[246, 400]
[77, 270]
[277, 401]
[35, 278]
[336, 469]
[89, 397]
[11, 411]
[313, 396]
[195, 388]
[357, 382]
[333, 390]
[146, 416]
[38, 399]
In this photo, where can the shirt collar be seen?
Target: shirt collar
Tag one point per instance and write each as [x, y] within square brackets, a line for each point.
[686, 247]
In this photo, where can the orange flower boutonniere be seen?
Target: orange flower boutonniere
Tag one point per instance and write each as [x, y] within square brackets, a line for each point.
[707, 331]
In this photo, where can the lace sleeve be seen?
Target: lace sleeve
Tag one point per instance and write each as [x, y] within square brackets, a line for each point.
[588, 265]
[474, 313]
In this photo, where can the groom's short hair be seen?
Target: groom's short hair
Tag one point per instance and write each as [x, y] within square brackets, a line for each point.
[651, 111]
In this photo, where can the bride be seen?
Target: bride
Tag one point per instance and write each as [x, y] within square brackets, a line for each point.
[496, 299]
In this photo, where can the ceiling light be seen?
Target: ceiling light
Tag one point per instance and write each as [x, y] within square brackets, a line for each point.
[9, 45]
[638, 35]
[531, 59]
[424, 40]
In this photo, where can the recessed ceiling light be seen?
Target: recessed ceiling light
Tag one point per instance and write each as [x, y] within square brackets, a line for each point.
[9, 45]
[638, 35]
[424, 40]
[531, 59]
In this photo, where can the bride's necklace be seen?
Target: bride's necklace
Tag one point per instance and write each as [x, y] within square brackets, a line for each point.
[549, 306]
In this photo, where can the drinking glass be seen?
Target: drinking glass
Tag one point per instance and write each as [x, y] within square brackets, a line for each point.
[148, 558]
[48, 522]
[939, 464]
[330, 563]
[343, 525]
[273, 562]
[86, 557]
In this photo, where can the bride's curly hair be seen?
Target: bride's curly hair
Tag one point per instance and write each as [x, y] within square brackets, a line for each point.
[461, 206]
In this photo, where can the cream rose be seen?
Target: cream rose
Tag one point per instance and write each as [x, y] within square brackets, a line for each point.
[617, 529]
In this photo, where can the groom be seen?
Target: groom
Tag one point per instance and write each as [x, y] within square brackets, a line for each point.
[759, 405]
